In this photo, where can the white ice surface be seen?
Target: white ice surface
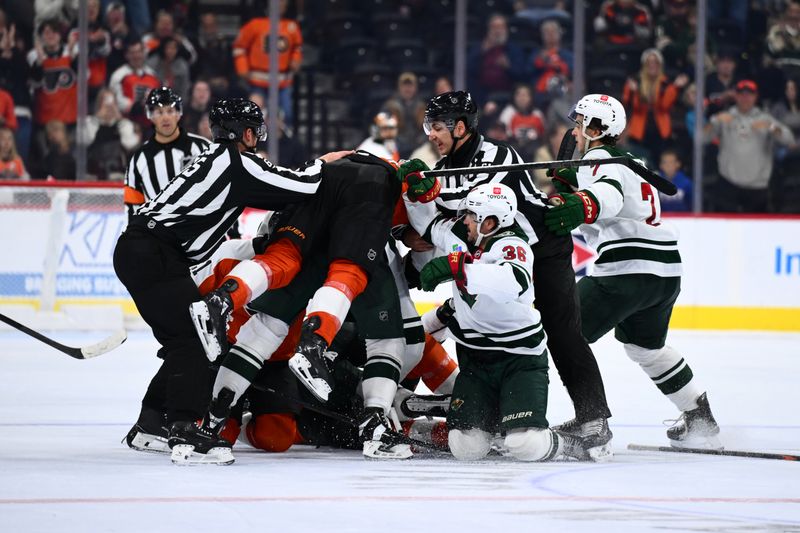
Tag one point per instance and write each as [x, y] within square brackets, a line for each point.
[62, 467]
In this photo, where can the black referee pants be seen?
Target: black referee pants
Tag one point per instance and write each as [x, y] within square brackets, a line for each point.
[557, 301]
[156, 274]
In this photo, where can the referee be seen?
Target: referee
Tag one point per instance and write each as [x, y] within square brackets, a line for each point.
[164, 155]
[183, 225]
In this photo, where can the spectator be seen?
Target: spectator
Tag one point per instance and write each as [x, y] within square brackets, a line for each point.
[58, 162]
[426, 152]
[7, 117]
[99, 47]
[11, 165]
[164, 28]
[720, 84]
[198, 106]
[171, 68]
[251, 57]
[674, 33]
[132, 82]
[783, 38]
[624, 22]
[120, 34]
[670, 168]
[735, 10]
[110, 138]
[214, 52]
[649, 99]
[747, 136]
[558, 102]
[14, 76]
[551, 59]
[787, 111]
[495, 64]
[548, 152]
[53, 76]
[523, 122]
[442, 85]
[204, 127]
[409, 109]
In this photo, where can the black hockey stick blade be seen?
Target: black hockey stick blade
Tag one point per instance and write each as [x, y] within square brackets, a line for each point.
[661, 184]
[85, 352]
[394, 436]
[728, 453]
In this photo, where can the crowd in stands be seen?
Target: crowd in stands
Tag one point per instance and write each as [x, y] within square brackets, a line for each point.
[391, 56]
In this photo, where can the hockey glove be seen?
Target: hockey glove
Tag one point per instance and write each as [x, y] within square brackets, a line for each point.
[444, 269]
[565, 180]
[421, 188]
[579, 208]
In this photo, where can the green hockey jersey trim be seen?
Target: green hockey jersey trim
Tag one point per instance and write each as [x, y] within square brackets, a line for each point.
[614, 183]
[634, 240]
[633, 253]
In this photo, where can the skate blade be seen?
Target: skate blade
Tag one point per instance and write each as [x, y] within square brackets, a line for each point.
[184, 455]
[375, 449]
[710, 442]
[144, 442]
[201, 319]
[300, 367]
[601, 454]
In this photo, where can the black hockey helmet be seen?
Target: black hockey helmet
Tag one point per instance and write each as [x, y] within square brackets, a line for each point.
[229, 118]
[163, 96]
[450, 107]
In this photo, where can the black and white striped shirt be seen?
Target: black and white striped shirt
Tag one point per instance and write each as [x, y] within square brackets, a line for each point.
[154, 164]
[480, 151]
[202, 202]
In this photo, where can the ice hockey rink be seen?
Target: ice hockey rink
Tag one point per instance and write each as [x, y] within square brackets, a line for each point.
[63, 468]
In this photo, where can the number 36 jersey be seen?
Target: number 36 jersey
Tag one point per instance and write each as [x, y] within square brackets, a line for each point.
[628, 235]
[494, 311]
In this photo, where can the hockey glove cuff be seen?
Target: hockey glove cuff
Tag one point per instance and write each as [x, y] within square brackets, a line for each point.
[565, 180]
[444, 269]
[579, 208]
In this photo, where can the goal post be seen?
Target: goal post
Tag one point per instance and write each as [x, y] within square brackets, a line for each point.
[58, 242]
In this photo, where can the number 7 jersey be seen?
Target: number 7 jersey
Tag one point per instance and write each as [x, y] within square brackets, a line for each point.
[628, 235]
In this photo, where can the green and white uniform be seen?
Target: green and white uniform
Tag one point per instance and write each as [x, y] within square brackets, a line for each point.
[636, 277]
[502, 346]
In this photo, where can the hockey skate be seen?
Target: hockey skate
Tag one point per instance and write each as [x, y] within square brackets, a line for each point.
[413, 405]
[696, 428]
[376, 431]
[149, 433]
[210, 318]
[194, 444]
[570, 447]
[309, 363]
[595, 437]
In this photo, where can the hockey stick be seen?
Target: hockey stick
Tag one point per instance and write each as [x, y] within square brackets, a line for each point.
[662, 184]
[85, 352]
[730, 453]
[394, 436]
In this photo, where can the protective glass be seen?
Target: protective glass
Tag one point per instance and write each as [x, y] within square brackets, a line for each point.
[428, 122]
[261, 132]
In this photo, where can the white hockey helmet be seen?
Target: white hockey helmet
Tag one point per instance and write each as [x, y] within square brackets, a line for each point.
[487, 200]
[606, 109]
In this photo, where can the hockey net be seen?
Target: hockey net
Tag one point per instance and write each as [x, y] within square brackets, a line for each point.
[58, 244]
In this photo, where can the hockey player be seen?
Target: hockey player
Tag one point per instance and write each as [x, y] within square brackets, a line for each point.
[339, 238]
[451, 124]
[182, 226]
[637, 275]
[502, 346]
[170, 149]
[382, 141]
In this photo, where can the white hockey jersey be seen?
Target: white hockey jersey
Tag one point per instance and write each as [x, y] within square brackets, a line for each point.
[628, 235]
[496, 311]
